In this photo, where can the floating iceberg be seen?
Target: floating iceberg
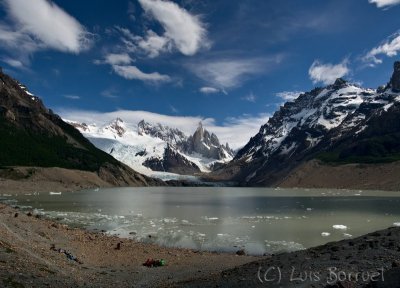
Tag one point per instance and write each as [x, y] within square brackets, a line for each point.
[339, 227]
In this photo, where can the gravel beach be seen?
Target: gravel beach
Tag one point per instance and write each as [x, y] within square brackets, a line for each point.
[27, 260]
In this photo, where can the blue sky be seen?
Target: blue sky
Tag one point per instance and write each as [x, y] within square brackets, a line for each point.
[230, 63]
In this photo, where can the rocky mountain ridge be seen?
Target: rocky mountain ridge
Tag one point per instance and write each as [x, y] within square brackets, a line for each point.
[33, 135]
[207, 145]
[149, 147]
[341, 123]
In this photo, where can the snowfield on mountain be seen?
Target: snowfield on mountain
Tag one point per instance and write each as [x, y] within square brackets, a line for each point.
[156, 150]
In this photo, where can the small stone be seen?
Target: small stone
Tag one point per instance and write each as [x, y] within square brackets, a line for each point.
[395, 264]
[335, 248]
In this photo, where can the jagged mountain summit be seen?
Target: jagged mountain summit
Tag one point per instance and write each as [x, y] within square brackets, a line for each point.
[207, 145]
[34, 136]
[341, 123]
[201, 142]
[149, 147]
[171, 135]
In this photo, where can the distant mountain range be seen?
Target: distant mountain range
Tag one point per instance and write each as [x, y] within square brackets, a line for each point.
[32, 135]
[338, 124]
[148, 147]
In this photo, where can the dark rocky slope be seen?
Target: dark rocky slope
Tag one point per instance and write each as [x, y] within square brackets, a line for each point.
[32, 135]
[339, 124]
[376, 256]
[172, 161]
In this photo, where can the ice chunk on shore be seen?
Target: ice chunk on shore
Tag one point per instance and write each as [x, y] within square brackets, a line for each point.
[210, 219]
[55, 193]
[339, 227]
[396, 224]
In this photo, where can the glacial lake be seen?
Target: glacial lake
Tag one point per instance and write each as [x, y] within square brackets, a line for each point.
[259, 220]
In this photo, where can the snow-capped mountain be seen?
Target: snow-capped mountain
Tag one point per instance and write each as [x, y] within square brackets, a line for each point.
[33, 136]
[171, 135]
[328, 120]
[207, 145]
[149, 147]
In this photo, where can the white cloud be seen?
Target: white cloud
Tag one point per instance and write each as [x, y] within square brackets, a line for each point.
[120, 63]
[173, 109]
[18, 44]
[289, 95]
[184, 30]
[13, 62]
[153, 45]
[72, 97]
[128, 39]
[250, 97]
[115, 59]
[237, 131]
[209, 90]
[228, 73]
[134, 73]
[126, 33]
[110, 93]
[389, 48]
[384, 3]
[40, 24]
[118, 59]
[328, 73]
[131, 11]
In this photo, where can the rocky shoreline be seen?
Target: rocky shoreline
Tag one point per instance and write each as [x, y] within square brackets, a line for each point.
[372, 260]
[36, 252]
[19, 180]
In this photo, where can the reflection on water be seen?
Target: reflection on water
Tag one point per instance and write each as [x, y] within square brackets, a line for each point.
[259, 220]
